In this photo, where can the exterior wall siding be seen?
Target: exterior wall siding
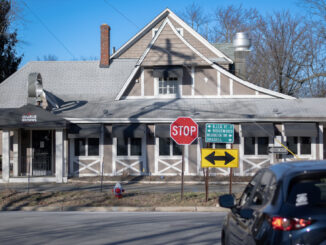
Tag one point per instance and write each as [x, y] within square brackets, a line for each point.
[134, 88]
[170, 50]
[136, 50]
[205, 81]
[148, 82]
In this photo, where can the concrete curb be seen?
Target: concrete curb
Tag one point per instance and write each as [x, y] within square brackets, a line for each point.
[121, 209]
[154, 182]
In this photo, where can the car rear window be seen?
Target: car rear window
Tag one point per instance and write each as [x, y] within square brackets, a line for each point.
[308, 191]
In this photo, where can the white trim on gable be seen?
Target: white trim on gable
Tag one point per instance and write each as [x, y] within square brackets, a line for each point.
[219, 69]
[198, 36]
[140, 33]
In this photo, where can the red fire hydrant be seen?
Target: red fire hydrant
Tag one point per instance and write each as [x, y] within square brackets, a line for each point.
[118, 190]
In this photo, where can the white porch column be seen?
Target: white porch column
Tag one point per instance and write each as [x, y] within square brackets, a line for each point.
[59, 155]
[15, 153]
[5, 155]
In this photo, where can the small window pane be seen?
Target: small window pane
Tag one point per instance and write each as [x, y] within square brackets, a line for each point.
[93, 147]
[80, 149]
[177, 151]
[122, 146]
[305, 145]
[135, 147]
[292, 143]
[249, 146]
[262, 145]
[164, 146]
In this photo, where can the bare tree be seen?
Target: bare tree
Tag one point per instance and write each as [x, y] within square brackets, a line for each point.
[285, 54]
[49, 57]
[232, 19]
[196, 18]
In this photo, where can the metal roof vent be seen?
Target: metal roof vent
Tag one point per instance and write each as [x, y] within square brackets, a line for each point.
[241, 42]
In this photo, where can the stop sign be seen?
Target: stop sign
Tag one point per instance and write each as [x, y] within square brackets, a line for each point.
[184, 130]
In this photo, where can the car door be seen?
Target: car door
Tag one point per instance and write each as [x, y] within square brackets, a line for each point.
[239, 228]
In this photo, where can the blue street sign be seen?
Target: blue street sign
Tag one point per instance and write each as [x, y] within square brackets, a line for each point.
[219, 133]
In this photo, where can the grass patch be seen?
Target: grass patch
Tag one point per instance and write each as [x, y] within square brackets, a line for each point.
[11, 200]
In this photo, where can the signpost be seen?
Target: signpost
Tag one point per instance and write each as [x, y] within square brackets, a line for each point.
[183, 131]
[219, 133]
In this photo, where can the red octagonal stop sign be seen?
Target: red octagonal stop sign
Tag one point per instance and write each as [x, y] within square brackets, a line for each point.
[184, 130]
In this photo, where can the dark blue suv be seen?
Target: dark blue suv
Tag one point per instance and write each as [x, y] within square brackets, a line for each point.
[282, 204]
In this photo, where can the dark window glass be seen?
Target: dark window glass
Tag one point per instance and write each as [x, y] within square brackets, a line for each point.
[164, 146]
[249, 145]
[220, 146]
[135, 147]
[93, 147]
[80, 149]
[292, 143]
[262, 145]
[308, 191]
[177, 151]
[305, 145]
[122, 147]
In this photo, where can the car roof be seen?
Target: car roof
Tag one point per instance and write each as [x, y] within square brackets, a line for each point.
[285, 169]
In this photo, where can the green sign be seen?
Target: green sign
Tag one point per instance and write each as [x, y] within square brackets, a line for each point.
[219, 133]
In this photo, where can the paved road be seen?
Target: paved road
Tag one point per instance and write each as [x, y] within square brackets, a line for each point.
[158, 188]
[109, 228]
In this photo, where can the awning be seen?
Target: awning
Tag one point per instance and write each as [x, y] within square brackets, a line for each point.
[257, 129]
[128, 130]
[162, 130]
[168, 72]
[30, 116]
[85, 130]
[300, 129]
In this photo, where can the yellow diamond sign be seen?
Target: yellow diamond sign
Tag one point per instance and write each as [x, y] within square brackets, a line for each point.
[219, 158]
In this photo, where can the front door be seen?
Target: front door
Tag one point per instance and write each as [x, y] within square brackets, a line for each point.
[42, 153]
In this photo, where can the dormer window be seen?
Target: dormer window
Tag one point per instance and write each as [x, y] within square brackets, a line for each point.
[167, 81]
[168, 86]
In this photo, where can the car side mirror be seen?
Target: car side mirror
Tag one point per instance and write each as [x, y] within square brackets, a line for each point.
[227, 201]
[247, 213]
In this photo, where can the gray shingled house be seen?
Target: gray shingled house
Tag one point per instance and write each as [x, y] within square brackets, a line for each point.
[83, 118]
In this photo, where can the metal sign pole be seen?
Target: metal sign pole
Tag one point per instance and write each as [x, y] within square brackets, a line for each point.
[206, 183]
[182, 171]
[231, 173]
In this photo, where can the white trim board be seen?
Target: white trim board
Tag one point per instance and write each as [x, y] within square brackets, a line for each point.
[219, 69]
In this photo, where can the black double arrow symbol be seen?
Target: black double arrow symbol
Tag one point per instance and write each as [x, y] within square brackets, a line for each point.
[227, 158]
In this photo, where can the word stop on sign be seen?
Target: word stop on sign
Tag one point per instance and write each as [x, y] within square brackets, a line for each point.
[183, 130]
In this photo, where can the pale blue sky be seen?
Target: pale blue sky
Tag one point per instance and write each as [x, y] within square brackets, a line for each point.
[76, 23]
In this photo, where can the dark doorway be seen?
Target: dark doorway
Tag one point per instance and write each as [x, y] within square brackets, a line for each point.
[42, 152]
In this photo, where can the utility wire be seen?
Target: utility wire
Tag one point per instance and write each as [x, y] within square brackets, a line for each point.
[48, 29]
[119, 12]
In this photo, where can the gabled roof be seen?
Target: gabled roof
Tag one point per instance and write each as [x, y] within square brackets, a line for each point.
[168, 13]
[209, 62]
[201, 110]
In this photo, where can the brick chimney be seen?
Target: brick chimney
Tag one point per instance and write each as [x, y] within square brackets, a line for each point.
[105, 46]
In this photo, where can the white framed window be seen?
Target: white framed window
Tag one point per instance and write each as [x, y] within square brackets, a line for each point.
[129, 147]
[167, 87]
[87, 147]
[167, 147]
[256, 146]
[299, 145]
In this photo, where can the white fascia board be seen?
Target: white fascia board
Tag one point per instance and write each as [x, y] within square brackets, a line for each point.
[230, 75]
[202, 97]
[198, 120]
[125, 86]
[140, 33]
[251, 85]
[198, 36]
